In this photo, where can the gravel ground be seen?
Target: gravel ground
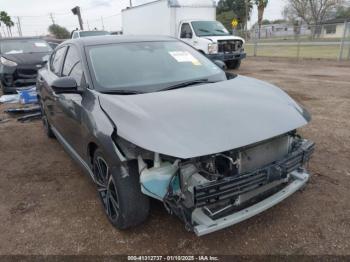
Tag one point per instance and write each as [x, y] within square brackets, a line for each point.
[49, 206]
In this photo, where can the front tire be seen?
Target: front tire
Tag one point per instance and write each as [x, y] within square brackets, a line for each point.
[120, 192]
[234, 64]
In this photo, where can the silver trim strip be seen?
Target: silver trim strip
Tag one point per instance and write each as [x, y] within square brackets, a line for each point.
[209, 225]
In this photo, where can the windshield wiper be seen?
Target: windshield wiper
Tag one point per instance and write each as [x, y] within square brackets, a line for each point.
[187, 83]
[204, 30]
[122, 92]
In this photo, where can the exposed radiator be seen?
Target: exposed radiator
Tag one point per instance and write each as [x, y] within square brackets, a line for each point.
[264, 154]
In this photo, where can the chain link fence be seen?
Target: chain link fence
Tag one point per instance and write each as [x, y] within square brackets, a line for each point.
[326, 41]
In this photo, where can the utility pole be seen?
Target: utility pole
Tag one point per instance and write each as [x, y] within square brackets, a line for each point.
[246, 18]
[348, 30]
[343, 41]
[19, 34]
[130, 3]
[103, 26]
[76, 11]
[19, 26]
[87, 22]
[52, 18]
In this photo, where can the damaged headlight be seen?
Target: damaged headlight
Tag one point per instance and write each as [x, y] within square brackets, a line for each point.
[7, 62]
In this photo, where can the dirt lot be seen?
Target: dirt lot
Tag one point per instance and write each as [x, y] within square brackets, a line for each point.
[48, 206]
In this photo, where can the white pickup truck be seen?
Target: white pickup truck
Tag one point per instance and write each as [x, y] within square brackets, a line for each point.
[192, 21]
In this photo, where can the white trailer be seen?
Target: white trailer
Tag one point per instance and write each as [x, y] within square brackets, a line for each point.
[192, 21]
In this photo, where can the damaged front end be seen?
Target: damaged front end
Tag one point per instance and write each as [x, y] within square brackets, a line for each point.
[213, 192]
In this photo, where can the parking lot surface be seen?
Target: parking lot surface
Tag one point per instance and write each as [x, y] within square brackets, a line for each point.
[49, 206]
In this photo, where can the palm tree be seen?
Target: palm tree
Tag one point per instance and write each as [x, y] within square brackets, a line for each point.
[6, 20]
[2, 16]
[261, 4]
[10, 24]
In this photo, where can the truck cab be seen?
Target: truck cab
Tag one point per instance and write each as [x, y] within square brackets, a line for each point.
[214, 40]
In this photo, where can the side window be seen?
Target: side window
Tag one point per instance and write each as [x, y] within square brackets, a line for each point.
[186, 31]
[72, 66]
[77, 73]
[57, 59]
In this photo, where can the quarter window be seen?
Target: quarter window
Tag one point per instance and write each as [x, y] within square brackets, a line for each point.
[72, 58]
[77, 73]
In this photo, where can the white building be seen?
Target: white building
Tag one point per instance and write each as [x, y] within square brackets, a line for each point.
[282, 30]
[334, 28]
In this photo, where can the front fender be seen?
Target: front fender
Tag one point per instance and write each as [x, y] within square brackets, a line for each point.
[98, 130]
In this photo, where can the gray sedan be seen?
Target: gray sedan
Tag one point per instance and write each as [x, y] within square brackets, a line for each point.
[150, 117]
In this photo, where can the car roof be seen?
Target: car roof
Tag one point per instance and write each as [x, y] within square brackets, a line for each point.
[116, 39]
[81, 31]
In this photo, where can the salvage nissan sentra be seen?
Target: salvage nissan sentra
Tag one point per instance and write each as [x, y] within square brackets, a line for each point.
[150, 117]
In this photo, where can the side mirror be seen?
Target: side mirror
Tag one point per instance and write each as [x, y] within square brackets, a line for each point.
[220, 64]
[46, 59]
[66, 84]
[53, 45]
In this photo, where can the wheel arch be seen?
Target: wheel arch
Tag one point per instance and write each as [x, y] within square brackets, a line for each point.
[91, 149]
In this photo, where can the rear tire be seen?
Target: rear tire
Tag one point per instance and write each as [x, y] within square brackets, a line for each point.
[234, 64]
[46, 124]
[120, 192]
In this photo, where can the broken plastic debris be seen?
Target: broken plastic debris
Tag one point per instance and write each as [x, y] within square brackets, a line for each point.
[10, 98]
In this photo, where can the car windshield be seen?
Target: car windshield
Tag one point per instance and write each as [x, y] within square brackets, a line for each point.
[24, 46]
[93, 33]
[149, 66]
[209, 28]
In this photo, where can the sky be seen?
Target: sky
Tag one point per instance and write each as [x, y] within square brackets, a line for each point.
[35, 16]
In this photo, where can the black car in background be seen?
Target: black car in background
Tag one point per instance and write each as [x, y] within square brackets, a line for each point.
[20, 59]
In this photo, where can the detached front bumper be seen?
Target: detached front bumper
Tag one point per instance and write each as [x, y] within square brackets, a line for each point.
[206, 225]
[247, 189]
[228, 56]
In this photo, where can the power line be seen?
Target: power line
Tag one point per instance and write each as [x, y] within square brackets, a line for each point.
[64, 12]
[50, 17]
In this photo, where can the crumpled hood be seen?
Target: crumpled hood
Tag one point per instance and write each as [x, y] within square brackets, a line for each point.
[26, 58]
[215, 39]
[204, 119]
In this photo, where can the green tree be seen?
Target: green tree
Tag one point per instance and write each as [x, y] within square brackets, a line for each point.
[59, 32]
[6, 20]
[266, 22]
[227, 10]
[343, 12]
[261, 4]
